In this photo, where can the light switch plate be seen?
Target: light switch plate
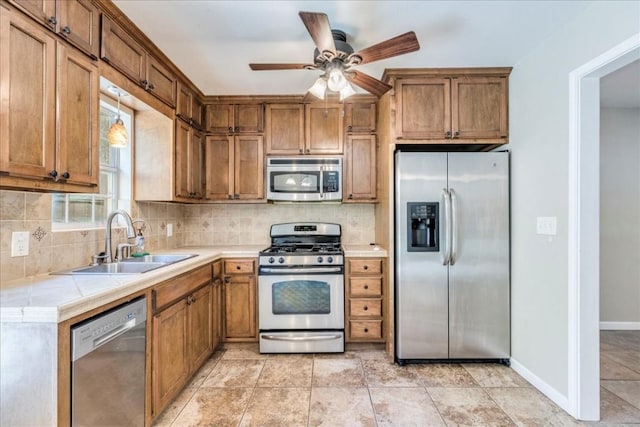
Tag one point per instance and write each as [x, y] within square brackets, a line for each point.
[169, 230]
[547, 225]
[19, 243]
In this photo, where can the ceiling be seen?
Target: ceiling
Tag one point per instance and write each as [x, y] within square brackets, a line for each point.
[213, 42]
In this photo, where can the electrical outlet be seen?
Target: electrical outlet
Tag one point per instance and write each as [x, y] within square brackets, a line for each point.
[19, 243]
[169, 230]
[547, 225]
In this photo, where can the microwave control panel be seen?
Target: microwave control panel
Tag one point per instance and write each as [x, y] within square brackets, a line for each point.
[330, 182]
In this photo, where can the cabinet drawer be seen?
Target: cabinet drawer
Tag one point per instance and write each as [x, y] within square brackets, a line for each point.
[239, 266]
[365, 307]
[365, 286]
[217, 269]
[365, 266]
[365, 329]
[180, 286]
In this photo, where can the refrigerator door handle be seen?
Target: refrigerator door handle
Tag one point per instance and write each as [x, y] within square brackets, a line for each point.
[454, 227]
[447, 227]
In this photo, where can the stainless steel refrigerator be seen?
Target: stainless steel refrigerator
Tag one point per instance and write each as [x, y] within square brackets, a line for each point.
[452, 256]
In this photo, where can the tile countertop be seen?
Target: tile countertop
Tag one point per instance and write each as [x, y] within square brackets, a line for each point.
[55, 298]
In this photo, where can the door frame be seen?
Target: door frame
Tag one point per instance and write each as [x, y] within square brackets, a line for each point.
[584, 225]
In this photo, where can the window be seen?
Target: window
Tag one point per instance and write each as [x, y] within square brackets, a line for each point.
[81, 211]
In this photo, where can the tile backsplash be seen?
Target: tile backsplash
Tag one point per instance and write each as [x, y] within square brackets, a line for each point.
[220, 224]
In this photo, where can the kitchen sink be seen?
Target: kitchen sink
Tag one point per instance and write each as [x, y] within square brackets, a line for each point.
[117, 268]
[133, 265]
[165, 259]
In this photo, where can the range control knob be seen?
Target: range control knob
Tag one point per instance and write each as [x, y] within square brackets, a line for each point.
[271, 260]
[320, 260]
[281, 260]
[330, 259]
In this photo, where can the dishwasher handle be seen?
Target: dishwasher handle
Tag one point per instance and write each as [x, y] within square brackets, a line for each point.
[111, 335]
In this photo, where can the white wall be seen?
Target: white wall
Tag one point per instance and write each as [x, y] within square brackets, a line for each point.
[619, 215]
[539, 131]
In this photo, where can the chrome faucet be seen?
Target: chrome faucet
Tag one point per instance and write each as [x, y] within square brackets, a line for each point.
[131, 233]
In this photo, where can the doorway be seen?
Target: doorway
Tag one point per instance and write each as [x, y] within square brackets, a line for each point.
[584, 218]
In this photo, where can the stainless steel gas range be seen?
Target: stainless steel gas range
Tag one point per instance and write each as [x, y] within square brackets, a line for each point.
[301, 290]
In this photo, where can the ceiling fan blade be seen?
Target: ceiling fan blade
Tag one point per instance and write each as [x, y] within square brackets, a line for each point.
[368, 83]
[399, 45]
[266, 67]
[318, 26]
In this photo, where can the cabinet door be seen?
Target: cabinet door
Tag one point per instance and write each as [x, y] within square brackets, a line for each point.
[197, 110]
[27, 91]
[77, 159]
[216, 310]
[183, 102]
[79, 23]
[43, 11]
[199, 323]
[284, 129]
[249, 167]
[182, 148]
[240, 307]
[219, 167]
[121, 51]
[360, 117]
[479, 107]
[219, 118]
[160, 81]
[170, 363]
[248, 118]
[423, 108]
[324, 128]
[360, 168]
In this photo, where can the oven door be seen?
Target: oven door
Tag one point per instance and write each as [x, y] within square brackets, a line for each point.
[301, 301]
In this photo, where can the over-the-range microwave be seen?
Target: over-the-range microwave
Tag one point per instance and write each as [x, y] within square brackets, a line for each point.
[304, 179]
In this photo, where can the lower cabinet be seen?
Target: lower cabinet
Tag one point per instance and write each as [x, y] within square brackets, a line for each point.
[182, 337]
[240, 323]
[216, 298]
[365, 300]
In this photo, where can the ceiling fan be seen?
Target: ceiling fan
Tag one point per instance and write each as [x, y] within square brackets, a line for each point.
[335, 57]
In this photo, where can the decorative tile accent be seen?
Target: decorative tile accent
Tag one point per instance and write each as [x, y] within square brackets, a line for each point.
[39, 234]
[162, 226]
[205, 224]
[84, 233]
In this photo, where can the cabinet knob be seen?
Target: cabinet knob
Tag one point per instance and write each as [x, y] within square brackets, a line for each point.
[366, 330]
[238, 267]
[230, 129]
[350, 196]
[349, 128]
[230, 196]
[53, 173]
[301, 151]
[308, 151]
[366, 308]
[52, 20]
[366, 267]
[366, 286]
[66, 175]
[457, 134]
[66, 30]
[236, 129]
[447, 134]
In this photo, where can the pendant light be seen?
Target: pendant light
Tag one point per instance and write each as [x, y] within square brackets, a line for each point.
[118, 136]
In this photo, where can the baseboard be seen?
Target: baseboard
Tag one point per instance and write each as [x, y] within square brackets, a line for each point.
[620, 326]
[553, 394]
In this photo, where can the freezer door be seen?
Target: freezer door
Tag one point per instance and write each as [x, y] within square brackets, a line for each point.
[479, 313]
[421, 278]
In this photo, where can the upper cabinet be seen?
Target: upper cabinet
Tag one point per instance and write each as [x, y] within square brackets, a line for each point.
[78, 21]
[49, 122]
[284, 129]
[324, 128]
[189, 106]
[360, 117]
[124, 53]
[234, 119]
[452, 105]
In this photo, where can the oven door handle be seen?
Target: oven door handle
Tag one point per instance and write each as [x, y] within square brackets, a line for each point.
[311, 338]
[301, 270]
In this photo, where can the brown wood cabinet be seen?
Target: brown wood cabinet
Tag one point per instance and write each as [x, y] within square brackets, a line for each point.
[77, 21]
[189, 106]
[324, 128]
[466, 106]
[182, 333]
[128, 56]
[360, 117]
[49, 125]
[360, 168]
[234, 167]
[240, 323]
[365, 300]
[189, 156]
[234, 119]
[284, 129]
[216, 305]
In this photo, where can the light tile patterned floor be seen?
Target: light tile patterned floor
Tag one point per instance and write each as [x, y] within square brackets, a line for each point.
[239, 386]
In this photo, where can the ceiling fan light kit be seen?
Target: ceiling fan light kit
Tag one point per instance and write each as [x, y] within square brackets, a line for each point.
[334, 56]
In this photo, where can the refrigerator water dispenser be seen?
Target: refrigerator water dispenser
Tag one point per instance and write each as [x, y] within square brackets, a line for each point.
[423, 229]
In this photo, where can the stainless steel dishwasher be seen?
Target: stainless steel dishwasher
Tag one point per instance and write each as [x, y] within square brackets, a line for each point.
[108, 367]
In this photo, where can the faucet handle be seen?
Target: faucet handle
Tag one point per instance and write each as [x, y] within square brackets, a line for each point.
[96, 259]
[123, 251]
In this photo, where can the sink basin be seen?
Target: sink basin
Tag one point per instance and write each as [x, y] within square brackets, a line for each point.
[117, 268]
[165, 259]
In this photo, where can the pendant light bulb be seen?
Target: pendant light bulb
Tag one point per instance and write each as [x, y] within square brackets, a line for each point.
[319, 87]
[346, 91]
[337, 80]
[118, 136]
